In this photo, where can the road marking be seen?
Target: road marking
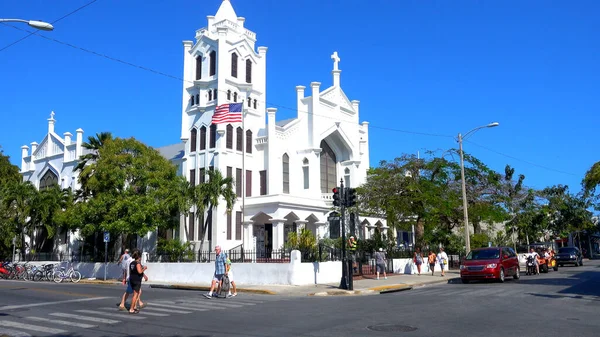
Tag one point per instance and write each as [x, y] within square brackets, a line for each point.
[176, 306]
[32, 327]
[13, 333]
[212, 304]
[85, 318]
[106, 314]
[141, 313]
[167, 310]
[57, 321]
[10, 307]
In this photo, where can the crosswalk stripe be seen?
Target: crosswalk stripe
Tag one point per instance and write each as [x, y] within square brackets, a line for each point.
[85, 318]
[32, 327]
[57, 321]
[108, 314]
[141, 313]
[175, 306]
[167, 310]
[210, 304]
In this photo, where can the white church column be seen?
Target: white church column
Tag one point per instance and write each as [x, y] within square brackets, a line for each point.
[24, 153]
[248, 235]
[278, 233]
[273, 164]
[313, 111]
[79, 141]
[67, 152]
[321, 229]
[188, 61]
[300, 225]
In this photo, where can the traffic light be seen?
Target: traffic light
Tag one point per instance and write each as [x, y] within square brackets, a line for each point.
[336, 197]
[350, 197]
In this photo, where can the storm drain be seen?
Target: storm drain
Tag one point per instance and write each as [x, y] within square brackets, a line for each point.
[392, 328]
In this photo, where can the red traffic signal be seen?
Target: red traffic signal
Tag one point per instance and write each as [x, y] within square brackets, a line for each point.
[334, 190]
[336, 196]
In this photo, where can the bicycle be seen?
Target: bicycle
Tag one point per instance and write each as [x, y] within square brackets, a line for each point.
[72, 274]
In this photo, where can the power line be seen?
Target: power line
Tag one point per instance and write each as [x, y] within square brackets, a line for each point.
[36, 31]
[521, 160]
[282, 106]
[220, 90]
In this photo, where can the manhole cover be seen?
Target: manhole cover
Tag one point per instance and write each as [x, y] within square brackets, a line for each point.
[392, 328]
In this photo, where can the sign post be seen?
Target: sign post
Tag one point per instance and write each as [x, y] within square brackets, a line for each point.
[106, 239]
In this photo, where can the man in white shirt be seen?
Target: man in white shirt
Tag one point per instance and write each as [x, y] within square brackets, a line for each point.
[442, 260]
[124, 261]
[535, 255]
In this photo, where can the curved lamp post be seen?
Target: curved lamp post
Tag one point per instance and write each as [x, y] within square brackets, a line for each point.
[464, 186]
[41, 25]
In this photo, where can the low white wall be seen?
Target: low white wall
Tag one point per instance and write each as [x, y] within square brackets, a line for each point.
[293, 273]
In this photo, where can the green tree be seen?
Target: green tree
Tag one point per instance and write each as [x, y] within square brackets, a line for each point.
[133, 189]
[9, 174]
[17, 204]
[93, 145]
[208, 195]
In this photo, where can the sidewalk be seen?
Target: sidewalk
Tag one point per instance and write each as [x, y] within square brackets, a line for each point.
[363, 286]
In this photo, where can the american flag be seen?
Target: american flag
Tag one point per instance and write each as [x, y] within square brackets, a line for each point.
[228, 113]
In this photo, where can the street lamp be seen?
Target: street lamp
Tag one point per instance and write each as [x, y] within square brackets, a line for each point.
[41, 25]
[464, 186]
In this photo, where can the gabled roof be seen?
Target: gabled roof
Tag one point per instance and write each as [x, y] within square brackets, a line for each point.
[172, 152]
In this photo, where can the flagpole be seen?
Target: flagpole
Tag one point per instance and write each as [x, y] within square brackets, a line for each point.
[243, 164]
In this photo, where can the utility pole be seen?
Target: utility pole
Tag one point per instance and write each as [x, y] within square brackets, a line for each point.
[344, 282]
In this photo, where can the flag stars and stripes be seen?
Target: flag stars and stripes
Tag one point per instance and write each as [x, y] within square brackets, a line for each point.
[228, 113]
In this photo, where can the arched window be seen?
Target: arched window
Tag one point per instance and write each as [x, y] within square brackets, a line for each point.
[212, 136]
[48, 180]
[215, 94]
[193, 135]
[210, 95]
[197, 99]
[286, 173]
[328, 168]
[229, 136]
[305, 173]
[248, 141]
[203, 138]
[235, 97]
[199, 67]
[239, 138]
[212, 63]
[254, 104]
[347, 177]
[234, 65]
[192, 98]
[248, 71]
[228, 95]
[249, 102]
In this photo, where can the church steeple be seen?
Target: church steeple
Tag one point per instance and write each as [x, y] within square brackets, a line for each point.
[226, 11]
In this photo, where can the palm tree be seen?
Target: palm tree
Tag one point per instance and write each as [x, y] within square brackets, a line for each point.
[48, 204]
[18, 202]
[94, 144]
[184, 200]
[210, 193]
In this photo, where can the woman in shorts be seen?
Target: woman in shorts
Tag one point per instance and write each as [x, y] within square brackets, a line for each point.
[136, 273]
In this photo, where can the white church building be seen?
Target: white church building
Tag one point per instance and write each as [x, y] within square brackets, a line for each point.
[284, 170]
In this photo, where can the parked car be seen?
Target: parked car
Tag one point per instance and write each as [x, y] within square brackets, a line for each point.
[495, 263]
[569, 255]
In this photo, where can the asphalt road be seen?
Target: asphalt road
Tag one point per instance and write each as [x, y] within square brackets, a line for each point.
[563, 303]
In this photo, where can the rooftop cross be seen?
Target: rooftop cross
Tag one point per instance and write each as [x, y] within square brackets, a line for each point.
[336, 60]
[52, 115]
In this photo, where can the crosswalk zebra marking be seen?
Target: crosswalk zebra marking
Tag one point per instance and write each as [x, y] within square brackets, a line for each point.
[211, 305]
[106, 314]
[57, 321]
[31, 327]
[85, 318]
[176, 306]
[167, 310]
[141, 313]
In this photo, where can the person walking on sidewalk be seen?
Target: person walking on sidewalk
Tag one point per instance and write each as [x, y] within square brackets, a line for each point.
[418, 259]
[431, 260]
[230, 276]
[442, 260]
[220, 270]
[380, 262]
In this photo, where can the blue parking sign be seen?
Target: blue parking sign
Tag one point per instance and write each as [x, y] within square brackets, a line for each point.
[106, 236]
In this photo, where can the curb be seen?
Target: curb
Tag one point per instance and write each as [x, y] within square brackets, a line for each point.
[107, 282]
[206, 288]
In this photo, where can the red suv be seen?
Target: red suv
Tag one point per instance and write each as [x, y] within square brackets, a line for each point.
[490, 263]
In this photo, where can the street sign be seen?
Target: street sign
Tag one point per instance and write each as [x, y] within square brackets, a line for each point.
[106, 236]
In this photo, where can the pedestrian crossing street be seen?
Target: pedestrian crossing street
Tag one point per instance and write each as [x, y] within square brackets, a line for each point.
[500, 290]
[59, 323]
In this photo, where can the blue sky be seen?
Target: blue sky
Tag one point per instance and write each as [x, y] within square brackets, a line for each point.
[433, 67]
